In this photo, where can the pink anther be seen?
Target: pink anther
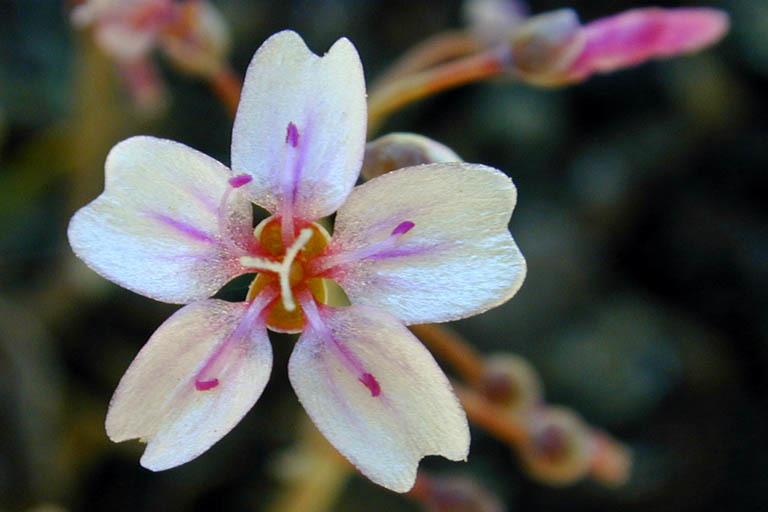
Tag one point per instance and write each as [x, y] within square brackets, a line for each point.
[292, 135]
[205, 385]
[239, 181]
[403, 228]
[371, 383]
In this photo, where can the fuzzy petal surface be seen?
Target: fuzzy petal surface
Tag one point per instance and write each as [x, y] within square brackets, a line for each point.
[157, 399]
[156, 229]
[300, 126]
[377, 394]
[458, 258]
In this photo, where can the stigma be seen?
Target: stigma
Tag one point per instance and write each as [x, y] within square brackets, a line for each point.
[286, 270]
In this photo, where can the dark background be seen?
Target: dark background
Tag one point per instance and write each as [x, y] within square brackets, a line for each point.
[641, 212]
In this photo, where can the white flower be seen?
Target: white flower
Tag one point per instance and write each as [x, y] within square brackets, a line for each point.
[421, 244]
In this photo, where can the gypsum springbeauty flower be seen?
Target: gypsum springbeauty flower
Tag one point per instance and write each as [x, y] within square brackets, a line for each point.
[421, 244]
[554, 48]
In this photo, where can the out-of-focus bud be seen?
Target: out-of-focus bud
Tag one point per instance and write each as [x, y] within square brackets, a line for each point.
[491, 20]
[543, 48]
[559, 448]
[612, 461]
[124, 29]
[638, 35]
[553, 49]
[197, 40]
[453, 494]
[398, 150]
[511, 381]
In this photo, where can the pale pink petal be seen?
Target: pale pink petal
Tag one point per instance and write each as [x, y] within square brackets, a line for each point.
[159, 227]
[377, 394]
[193, 381]
[300, 126]
[428, 243]
[635, 36]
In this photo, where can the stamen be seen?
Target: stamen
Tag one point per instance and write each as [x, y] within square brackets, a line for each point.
[223, 213]
[347, 357]
[371, 383]
[282, 269]
[205, 385]
[403, 228]
[292, 135]
[207, 377]
[324, 263]
[239, 181]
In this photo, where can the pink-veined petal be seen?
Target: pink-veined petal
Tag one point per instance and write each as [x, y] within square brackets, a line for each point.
[377, 394]
[300, 126]
[193, 381]
[435, 242]
[637, 35]
[156, 229]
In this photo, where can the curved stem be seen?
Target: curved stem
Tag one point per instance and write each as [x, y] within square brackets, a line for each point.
[453, 348]
[397, 94]
[499, 421]
[430, 52]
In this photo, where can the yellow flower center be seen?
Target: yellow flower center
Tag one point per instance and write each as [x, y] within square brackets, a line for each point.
[288, 268]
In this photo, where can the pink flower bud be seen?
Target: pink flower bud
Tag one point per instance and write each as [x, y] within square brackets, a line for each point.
[638, 35]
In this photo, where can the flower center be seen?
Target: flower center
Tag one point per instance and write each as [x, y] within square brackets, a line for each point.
[288, 269]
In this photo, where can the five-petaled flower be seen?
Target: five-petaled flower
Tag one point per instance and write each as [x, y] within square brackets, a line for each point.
[421, 244]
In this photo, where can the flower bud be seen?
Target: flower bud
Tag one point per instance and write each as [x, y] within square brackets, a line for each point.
[398, 150]
[511, 381]
[612, 461]
[559, 448]
[635, 36]
[543, 47]
[453, 494]
[198, 39]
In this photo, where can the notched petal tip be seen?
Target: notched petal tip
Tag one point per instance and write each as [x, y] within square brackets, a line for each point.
[383, 426]
[286, 84]
[158, 399]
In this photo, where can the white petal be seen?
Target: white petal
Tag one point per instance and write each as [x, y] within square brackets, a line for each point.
[157, 399]
[386, 422]
[155, 228]
[457, 260]
[311, 169]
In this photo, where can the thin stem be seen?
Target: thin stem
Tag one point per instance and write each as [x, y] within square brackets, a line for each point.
[453, 348]
[430, 52]
[499, 421]
[227, 86]
[397, 94]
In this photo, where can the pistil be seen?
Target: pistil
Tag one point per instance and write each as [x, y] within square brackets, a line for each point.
[282, 269]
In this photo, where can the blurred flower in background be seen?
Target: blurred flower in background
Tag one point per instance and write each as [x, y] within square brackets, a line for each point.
[555, 48]
[191, 34]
